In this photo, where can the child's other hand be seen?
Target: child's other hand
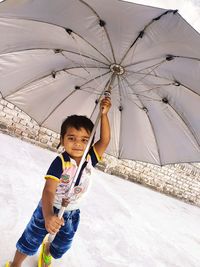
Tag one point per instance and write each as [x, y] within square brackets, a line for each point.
[105, 105]
[53, 224]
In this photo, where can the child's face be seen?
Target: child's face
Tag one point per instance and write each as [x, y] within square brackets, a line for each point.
[75, 142]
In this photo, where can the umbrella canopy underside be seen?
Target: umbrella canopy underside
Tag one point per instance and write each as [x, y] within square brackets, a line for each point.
[57, 58]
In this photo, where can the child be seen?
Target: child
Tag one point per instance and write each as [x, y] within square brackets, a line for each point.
[75, 133]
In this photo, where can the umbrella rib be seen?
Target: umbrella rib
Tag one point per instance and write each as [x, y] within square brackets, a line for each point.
[97, 77]
[63, 100]
[45, 76]
[72, 52]
[188, 88]
[62, 50]
[173, 56]
[83, 67]
[50, 23]
[142, 32]
[156, 85]
[21, 110]
[182, 119]
[119, 89]
[151, 66]
[120, 99]
[1, 95]
[142, 61]
[160, 77]
[75, 75]
[106, 32]
[192, 58]
[146, 74]
[147, 97]
[149, 74]
[92, 46]
[172, 82]
[33, 81]
[186, 123]
[153, 131]
[115, 87]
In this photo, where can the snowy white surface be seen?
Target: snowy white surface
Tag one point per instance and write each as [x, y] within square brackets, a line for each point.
[122, 224]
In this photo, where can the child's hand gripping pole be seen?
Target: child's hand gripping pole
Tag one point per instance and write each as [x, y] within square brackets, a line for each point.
[65, 203]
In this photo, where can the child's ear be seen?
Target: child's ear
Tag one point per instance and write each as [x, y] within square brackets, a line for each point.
[61, 141]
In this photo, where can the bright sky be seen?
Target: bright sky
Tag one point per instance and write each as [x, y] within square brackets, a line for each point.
[189, 9]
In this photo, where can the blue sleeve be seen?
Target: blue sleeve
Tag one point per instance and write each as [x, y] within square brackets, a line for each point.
[94, 156]
[55, 170]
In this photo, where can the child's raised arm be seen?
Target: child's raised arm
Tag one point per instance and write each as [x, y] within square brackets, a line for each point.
[102, 143]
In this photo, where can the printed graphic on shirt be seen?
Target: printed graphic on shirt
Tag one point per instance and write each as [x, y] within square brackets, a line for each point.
[66, 180]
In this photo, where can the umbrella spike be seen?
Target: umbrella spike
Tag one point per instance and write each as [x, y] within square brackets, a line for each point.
[120, 108]
[53, 74]
[169, 57]
[165, 100]
[69, 31]
[102, 23]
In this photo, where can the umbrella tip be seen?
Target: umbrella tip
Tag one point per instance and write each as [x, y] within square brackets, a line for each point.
[169, 57]
[120, 108]
[53, 74]
[102, 23]
[69, 31]
[176, 83]
[165, 100]
[56, 51]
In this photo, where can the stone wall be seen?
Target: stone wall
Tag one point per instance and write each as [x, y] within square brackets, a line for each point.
[180, 180]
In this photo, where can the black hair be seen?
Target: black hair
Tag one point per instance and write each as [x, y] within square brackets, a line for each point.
[76, 121]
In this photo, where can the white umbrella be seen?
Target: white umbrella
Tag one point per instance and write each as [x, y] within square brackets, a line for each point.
[58, 57]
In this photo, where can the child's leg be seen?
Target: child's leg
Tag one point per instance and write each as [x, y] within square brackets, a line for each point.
[18, 259]
[64, 237]
[31, 238]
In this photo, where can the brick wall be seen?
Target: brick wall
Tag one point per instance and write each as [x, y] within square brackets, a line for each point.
[180, 180]
[15, 122]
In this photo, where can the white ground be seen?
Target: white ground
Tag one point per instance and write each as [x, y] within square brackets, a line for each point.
[122, 224]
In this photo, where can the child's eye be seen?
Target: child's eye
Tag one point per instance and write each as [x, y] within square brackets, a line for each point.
[71, 138]
[84, 140]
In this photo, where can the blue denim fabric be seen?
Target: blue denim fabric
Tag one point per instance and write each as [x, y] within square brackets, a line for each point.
[35, 232]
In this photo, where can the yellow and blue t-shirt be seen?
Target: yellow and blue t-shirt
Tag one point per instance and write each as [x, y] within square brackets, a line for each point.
[63, 169]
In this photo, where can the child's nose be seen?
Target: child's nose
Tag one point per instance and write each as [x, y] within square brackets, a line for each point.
[78, 142]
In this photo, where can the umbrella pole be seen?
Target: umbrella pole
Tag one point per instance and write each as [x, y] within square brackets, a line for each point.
[65, 201]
